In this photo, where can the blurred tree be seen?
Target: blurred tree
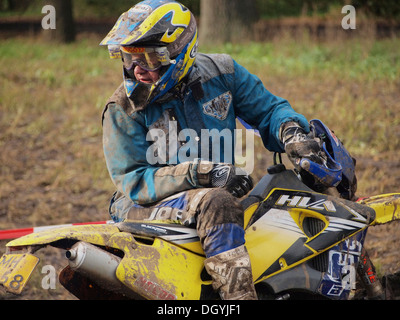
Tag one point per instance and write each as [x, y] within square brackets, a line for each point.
[389, 9]
[65, 25]
[227, 20]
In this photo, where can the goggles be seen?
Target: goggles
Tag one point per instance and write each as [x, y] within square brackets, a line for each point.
[149, 59]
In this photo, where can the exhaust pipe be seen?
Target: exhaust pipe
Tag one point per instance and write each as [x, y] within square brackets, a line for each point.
[98, 265]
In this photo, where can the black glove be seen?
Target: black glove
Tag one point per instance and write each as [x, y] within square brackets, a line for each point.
[232, 178]
[299, 145]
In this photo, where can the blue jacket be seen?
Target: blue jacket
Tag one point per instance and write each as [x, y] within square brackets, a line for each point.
[144, 172]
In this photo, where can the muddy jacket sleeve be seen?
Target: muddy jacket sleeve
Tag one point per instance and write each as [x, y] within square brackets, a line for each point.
[262, 109]
[125, 147]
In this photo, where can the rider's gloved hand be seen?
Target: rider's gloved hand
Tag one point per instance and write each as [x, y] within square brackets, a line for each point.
[232, 178]
[298, 144]
[223, 175]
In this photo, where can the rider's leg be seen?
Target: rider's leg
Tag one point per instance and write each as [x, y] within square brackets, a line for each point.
[220, 228]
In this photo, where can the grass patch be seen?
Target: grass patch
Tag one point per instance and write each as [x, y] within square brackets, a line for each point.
[352, 60]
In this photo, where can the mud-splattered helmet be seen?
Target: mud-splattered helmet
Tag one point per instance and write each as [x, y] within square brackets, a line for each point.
[165, 32]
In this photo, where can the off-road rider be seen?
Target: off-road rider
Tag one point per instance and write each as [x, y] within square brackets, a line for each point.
[169, 87]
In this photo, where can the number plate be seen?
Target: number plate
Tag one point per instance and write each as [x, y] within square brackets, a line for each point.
[15, 271]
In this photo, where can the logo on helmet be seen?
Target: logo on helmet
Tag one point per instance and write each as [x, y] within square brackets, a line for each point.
[193, 52]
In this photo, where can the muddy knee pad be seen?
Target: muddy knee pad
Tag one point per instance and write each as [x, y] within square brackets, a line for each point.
[218, 207]
[220, 222]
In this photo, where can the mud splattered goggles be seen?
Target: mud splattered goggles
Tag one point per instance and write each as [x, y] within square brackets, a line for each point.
[149, 59]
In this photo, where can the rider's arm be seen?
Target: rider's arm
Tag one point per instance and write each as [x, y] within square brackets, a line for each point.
[261, 109]
[125, 147]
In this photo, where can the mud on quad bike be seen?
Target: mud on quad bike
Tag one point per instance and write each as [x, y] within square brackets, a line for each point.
[302, 244]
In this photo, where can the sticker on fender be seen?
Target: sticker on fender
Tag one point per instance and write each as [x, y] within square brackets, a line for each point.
[15, 271]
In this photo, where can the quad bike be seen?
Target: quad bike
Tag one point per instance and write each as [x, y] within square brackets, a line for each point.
[302, 244]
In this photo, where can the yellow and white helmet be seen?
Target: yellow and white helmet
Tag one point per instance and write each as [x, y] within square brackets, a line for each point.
[165, 32]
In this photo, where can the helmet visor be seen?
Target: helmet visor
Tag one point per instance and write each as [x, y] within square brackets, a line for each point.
[149, 59]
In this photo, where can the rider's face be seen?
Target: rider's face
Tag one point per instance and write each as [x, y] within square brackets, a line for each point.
[145, 76]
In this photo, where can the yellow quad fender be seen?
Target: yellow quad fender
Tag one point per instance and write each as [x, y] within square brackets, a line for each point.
[95, 234]
[17, 265]
[386, 206]
[156, 270]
